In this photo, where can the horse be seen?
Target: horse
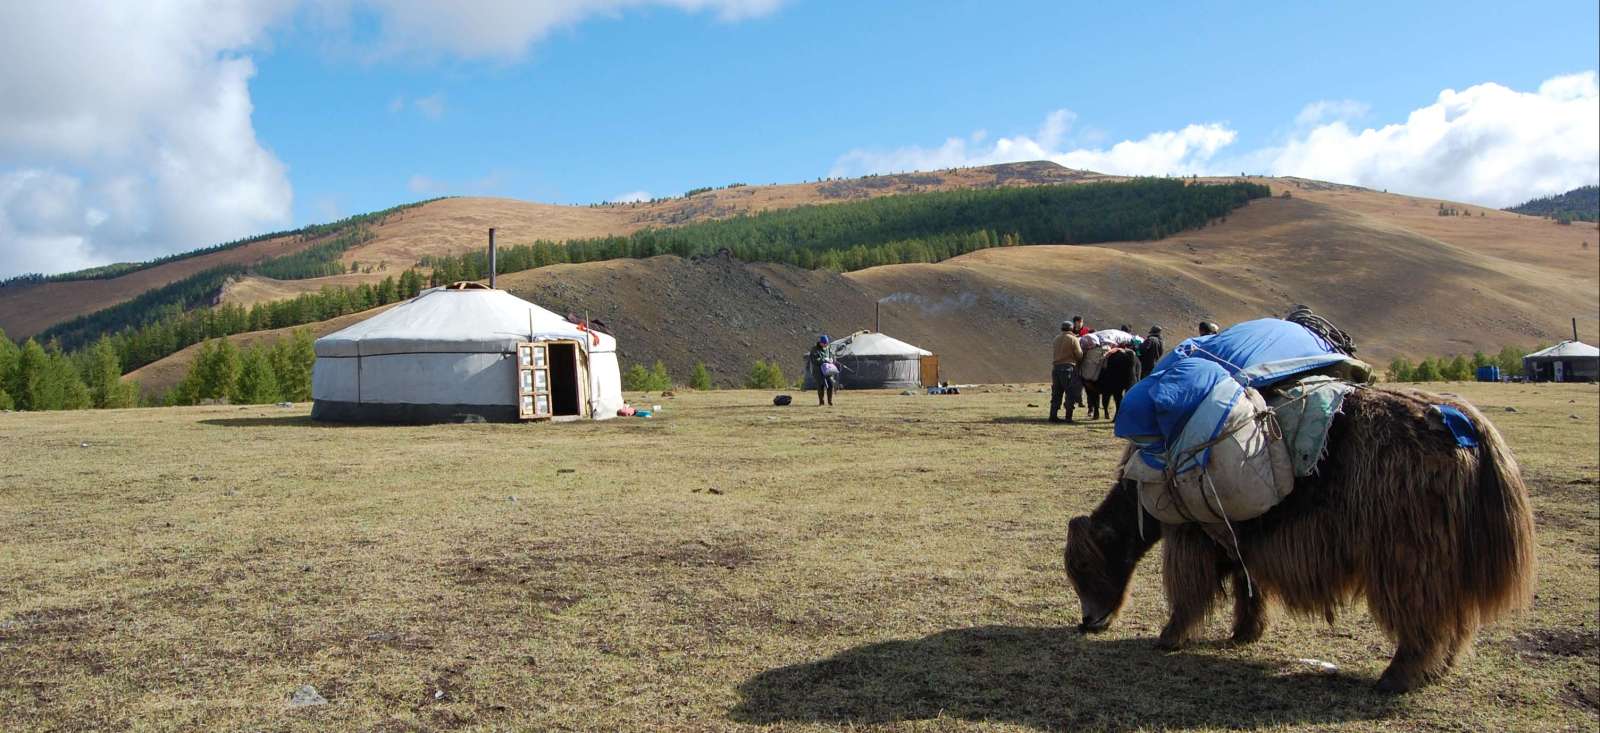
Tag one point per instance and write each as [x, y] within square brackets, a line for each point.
[1438, 538]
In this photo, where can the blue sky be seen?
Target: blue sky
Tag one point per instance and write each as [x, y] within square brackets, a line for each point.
[290, 114]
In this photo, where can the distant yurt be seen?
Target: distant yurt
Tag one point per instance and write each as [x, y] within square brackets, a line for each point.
[463, 352]
[871, 360]
[1568, 361]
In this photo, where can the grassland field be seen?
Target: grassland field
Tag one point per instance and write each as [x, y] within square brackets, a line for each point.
[892, 562]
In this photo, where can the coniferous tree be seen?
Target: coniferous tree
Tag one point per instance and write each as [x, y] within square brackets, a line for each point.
[292, 359]
[660, 381]
[218, 369]
[700, 378]
[28, 377]
[8, 366]
[63, 386]
[257, 384]
[102, 373]
[636, 379]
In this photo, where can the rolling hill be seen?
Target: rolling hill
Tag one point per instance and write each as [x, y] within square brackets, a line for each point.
[455, 225]
[1402, 279]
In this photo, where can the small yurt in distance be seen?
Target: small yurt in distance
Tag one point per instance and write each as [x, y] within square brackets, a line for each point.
[1568, 361]
[871, 360]
[460, 351]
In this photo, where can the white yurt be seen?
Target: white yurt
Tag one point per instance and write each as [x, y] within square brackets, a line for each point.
[871, 360]
[1568, 361]
[460, 351]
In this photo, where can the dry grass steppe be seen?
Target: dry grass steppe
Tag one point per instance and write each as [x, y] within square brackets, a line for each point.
[893, 562]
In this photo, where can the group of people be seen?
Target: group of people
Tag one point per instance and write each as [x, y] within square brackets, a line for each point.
[1080, 351]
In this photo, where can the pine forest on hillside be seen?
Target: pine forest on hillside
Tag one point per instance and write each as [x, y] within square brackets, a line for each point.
[1579, 204]
[923, 227]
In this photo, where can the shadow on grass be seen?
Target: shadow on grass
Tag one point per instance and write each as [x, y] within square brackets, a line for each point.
[1049, 678]
[1077, 422]
[285, 421]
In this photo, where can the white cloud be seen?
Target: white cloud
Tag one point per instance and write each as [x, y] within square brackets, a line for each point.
[1331, 109]
[126, 131]
[1179, 152]
[135, 139]
[1486, 144]
[506, 29]
[631, 196]
[431, 106]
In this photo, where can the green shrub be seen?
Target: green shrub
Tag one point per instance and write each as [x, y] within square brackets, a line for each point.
[700, 378]
[765, 376]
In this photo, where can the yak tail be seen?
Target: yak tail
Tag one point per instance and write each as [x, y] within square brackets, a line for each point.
[1499, 574]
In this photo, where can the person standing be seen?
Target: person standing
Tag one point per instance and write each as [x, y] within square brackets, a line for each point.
[1064, 379]
[826, 370]
[1150, 351]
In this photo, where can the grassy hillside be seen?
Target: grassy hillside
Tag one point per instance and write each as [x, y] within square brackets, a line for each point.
[990, 314]
[891, 563]
[455, 225]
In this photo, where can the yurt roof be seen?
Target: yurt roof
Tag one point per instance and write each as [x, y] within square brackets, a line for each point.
[443, 320]
[1566, 350]
[871, 343]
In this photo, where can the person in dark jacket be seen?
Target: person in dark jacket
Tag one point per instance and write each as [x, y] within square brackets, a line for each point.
[1150, 351]
[827, 370]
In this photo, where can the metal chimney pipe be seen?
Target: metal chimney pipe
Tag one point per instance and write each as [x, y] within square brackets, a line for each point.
[1574, 329]
[877, 321]
[493, 260]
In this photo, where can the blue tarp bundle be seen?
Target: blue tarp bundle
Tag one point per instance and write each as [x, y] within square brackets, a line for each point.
[1289, 348]
[1201, 380]
[1156, 409]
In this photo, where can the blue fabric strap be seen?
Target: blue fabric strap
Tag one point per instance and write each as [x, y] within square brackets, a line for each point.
[1460, 426]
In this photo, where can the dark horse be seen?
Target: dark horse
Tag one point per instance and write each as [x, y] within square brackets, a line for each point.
[1119, 373]
[1437, 538]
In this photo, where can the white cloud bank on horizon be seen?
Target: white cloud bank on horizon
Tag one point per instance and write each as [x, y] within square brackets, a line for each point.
[135, 140]
[1486, 144]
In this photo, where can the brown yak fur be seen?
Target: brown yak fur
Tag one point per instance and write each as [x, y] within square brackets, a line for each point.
[1437, 539]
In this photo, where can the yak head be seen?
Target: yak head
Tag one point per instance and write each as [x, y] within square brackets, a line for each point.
[1102, 551]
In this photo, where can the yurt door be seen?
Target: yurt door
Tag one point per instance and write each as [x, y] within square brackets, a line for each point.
[533, 381]
[548, 380]
[930, 371]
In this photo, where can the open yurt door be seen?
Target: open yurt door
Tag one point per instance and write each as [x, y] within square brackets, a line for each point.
[551, 383]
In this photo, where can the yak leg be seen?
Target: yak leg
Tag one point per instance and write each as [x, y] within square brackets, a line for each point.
[1420, 659]
[1190, 572]
[1249, 610]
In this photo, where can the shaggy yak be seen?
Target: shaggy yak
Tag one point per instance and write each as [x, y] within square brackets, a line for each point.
[1438, 539]
[1119, 373]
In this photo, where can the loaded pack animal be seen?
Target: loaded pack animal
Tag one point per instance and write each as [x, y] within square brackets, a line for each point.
[1119, 372]
[1436, 537]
